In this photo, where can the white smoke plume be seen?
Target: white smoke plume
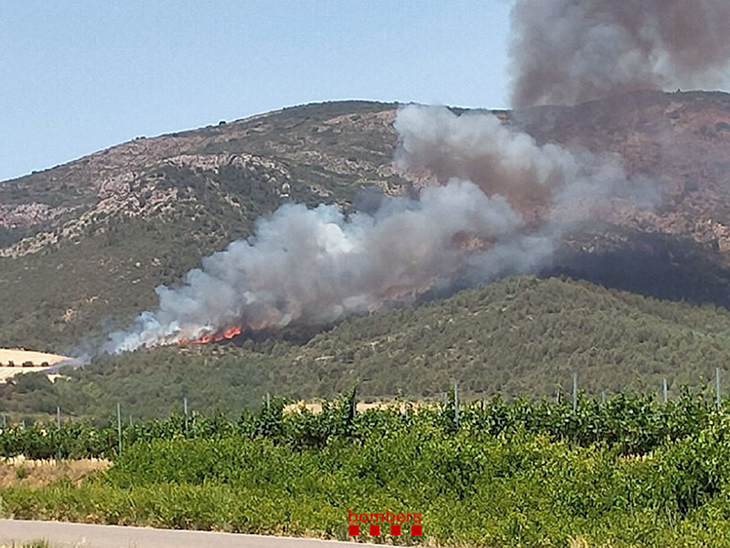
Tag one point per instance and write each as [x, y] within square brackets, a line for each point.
[570, 51]
[489, 212]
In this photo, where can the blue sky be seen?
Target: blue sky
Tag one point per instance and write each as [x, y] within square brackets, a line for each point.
[78, 76]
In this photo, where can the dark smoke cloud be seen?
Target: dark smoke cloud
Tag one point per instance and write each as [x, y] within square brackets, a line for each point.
[570, 51]
[495, 207]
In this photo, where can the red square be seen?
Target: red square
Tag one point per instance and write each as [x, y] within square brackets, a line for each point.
[354, 530]
[416, 530]
[374, 530]
[395, 530]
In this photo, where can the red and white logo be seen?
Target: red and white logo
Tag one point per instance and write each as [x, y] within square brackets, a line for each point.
[378, 522]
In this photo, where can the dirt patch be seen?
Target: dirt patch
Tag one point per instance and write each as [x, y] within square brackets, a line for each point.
[38, 473]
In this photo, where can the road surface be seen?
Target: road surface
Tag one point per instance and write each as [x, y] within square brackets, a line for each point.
[79, 535]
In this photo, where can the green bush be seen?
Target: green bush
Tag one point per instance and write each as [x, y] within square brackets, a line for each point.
[632, 472]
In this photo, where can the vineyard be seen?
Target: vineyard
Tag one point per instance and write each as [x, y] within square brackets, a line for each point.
[630, 471]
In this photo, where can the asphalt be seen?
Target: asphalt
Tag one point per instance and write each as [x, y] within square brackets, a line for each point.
[79, 535]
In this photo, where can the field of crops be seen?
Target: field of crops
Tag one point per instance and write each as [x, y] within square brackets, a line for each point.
[627, 472]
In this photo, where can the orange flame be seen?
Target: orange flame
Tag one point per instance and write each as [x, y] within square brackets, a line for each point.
[216, 337]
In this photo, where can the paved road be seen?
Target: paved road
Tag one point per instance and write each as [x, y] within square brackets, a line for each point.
[78, 535]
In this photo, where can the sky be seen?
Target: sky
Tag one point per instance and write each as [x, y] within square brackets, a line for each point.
[79, 76]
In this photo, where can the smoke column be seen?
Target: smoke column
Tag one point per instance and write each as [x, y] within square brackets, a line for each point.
[570, 51]
[490, 211]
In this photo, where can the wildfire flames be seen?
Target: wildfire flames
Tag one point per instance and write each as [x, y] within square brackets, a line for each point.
[216, 337]
[313, 266]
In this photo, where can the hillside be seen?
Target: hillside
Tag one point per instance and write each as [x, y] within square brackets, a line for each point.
[83, 245]
[519, 336]
[87, 242]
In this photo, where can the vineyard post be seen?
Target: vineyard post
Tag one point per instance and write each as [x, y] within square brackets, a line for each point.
[575, 392]
[603, 397]
[119, 426]
[58, 427]
[185, 410]
[5, 420]
[456, 404]
[665, 390]
[717, 387]
[268, 402]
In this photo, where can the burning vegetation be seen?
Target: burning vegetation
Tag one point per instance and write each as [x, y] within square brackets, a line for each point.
[314, 266]
[499, 202]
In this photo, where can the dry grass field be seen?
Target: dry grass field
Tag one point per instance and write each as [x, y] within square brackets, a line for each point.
[315, 406]
[37, 473]
[9, 372]
[17, 357]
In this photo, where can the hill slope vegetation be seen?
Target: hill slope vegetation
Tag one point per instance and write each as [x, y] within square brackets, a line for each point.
[83, 245]
[518, 336]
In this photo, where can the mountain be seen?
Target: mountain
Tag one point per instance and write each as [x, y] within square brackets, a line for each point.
[83, 245]
[516, 336]
[679, 140]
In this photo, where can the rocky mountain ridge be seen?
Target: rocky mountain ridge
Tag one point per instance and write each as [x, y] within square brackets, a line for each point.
[85, 243]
